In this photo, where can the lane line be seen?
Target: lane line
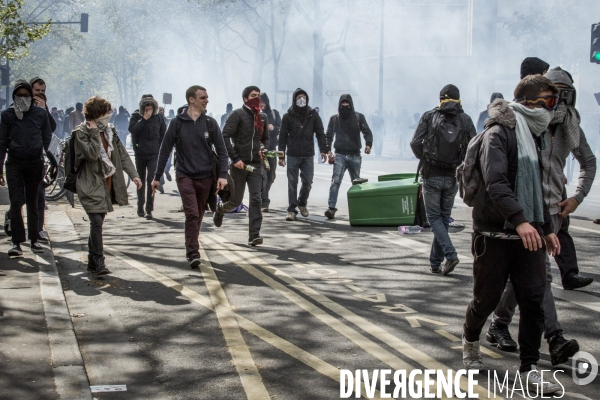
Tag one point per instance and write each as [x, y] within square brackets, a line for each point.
[399, 345]
[276, 341]
[580, 228]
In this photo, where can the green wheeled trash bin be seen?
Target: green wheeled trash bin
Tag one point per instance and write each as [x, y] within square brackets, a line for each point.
[392, 201]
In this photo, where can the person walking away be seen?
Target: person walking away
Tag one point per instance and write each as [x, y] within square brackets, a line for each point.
[510, 218]
[440, 143]
[484, 115]
[76, 117]
[100, 157]
[227, 112]
[122, 125]
[274, 125]
[344, 131]
[25, 133]
[147, 128]
[192, 133]
[66, 129]
[299, 126]
[244, 133]
[378, 129]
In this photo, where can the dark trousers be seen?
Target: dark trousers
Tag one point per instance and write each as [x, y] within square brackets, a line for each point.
[495, 260]
[268, 181]
[567, 259]
[23, 181]
[254, 180]
[146, 167]
[194, 195]
[305, 167]
[41, 205]
[95, 242]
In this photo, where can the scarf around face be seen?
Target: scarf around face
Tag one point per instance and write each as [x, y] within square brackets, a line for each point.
[108, 167]
[570, 120]
[528, 186]
[254, 106]
[21, 105]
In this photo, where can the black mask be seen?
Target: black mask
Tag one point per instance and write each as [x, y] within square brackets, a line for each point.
[345, 111]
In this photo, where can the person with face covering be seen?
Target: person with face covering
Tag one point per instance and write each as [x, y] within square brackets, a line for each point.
[485, 114]
[245, 132]
[510, 218]
[343, 134]
[100, 157]
[25, 135]
[296, 139]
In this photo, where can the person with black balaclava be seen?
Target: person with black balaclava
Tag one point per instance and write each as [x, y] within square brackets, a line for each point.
[440, 143]
[274, 124]
[296, 139]
[343, 131]
[224, 116]
[485, 113]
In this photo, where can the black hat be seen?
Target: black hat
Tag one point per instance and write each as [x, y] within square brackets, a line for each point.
[533, 66]
[450, 92]
[22, 83]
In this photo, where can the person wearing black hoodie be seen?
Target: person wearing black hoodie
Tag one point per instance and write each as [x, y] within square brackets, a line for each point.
[343, 131]
[485, 113]
[274, 120]
[25, 134]
[440, 143]
[147, 128]
[296, 139]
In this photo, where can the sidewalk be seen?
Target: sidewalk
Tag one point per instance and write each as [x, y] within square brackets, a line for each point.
[39, 354]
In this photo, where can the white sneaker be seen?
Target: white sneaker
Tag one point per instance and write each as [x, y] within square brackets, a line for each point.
[541, 387]
[303, 211]
[291, 216]
[43, 237]
[471, 354]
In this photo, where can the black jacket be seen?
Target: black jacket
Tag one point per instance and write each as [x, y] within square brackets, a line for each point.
[297, 133]
[147, 135]
[24, 140]
[346, 133]
[242, 139]
[274, 119]
[122, 122]
[194, 153]
[498, 162]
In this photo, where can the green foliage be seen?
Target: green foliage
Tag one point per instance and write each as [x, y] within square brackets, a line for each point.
[15, 34]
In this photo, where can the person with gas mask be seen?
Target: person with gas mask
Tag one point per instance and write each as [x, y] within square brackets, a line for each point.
[343, 134]
[245, 132]
[25, 134]
[296, 139]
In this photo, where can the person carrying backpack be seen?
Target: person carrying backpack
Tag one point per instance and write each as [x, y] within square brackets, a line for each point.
[440, 143]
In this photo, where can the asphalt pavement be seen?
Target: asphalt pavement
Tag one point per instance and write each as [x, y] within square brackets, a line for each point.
[276, 321]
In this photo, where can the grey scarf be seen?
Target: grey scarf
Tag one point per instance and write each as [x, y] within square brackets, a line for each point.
[107, 165]
[569, 118]
[528, 186]
[21, 105]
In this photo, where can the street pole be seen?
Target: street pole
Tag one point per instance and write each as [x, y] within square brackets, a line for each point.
[381, 62]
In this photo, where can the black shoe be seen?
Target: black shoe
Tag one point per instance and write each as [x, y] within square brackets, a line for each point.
[450, 265]
[561, 349]
[255, 240]
[91, 266]
[101, 267]
[168, 175]
[141, 213]
[577, 282]
[435, 270]
[330, 214]
[499, 335]
[36, 247]
[218, 217]
[15, 250]
[149, 215]
[194, 261]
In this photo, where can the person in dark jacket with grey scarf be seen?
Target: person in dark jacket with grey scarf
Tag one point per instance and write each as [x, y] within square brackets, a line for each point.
[147, 128]
[296, 139]
[343, 131]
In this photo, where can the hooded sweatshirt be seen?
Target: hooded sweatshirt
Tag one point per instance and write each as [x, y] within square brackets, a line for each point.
[298, 129]
[24, 140]
[273, 118]
[147, 135]
[485, 114]
[344, 133]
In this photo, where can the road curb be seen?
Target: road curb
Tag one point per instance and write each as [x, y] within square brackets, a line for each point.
[69, 372]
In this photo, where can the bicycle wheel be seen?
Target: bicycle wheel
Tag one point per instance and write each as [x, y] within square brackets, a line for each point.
[58, 191]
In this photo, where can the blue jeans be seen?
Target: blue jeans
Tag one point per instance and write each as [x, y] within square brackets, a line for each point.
[342, 163]
[439, 193]
[305, 167]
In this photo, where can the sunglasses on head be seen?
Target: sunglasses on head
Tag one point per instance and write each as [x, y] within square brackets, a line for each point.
[549, 102]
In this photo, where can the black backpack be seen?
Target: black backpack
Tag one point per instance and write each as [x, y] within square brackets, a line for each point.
[446, 143]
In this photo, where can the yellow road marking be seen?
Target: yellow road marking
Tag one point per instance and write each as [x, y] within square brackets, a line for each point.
[414, 321]
[484, 350]
[355, 288]
[276, 341]
[447, 335]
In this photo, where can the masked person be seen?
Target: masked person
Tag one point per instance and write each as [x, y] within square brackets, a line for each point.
[274, 125]
[343, 132]
[440, 143]
[25, 134]
[245, 132]
[147, 127]
[510, 218]
[299, 126]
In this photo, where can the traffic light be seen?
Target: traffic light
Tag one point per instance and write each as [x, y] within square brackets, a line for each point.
[595, 46]
[84, 22]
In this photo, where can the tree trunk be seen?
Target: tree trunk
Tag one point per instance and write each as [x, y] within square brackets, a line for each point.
[319, 57]
[259, 55]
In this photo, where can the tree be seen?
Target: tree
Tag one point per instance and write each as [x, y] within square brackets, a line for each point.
[15, 34]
